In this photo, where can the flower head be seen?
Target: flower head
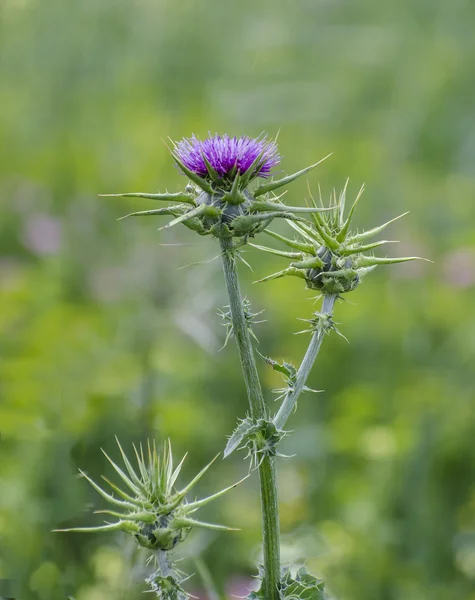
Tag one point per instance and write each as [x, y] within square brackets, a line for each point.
[218, 200]
[327, 254]
[223, 157]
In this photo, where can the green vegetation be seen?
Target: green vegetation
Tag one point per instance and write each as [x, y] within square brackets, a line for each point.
[103, 333]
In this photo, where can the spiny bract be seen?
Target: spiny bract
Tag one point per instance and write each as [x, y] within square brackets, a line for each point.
[327, 254]
[152, 510]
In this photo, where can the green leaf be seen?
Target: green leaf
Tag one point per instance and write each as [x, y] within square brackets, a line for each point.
[304, 586]
[243, 429]
[285, 368]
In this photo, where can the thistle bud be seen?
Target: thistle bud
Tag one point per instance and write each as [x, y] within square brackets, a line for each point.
[327, 254]
[152, 510]
[219, 200]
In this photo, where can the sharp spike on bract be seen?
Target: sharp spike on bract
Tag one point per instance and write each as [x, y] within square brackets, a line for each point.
[211, 171]
[118, 491]
[177, 471]
[140, 462]
[198, 503]
[324, 232]
[309, 235]
[310, 263]
[182, 493]
[277, 252]
[344, 230]
[234, 196]
[129, 467]
[177, 197]
[202, 183]
[194, 212]
[358, 249]
[368, 261]
[105, 495]
[145, 516]
[311, 195]
[366, 234]
[169, 467]
[320, 195]
[260, 206]
[146, 213]
[273, 185]
[255, 167]
[124, 525]
[288, 271]
[128, 482]
[342, 201]
[308, 248]
[187, 522]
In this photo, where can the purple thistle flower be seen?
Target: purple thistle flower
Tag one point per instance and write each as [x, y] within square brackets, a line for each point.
[224, 154]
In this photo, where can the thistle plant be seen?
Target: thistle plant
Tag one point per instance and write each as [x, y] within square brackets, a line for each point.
[224, 199]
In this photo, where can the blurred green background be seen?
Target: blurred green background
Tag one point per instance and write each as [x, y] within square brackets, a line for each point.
[103, 332]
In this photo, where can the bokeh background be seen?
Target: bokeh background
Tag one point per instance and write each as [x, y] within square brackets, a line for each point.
[106, 330]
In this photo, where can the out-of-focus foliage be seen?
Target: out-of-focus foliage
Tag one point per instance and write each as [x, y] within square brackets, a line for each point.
[103, 332]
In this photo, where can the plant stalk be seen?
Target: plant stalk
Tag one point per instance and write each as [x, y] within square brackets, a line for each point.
[267, 478]
[308, 361]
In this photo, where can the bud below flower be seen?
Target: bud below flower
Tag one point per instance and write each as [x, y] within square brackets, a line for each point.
[331, 258]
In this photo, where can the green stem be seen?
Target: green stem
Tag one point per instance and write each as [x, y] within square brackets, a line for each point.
[267, 479]
[308, 361]
[164, 565]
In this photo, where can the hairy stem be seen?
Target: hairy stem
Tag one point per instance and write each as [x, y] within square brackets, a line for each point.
[164, 565]
[308, 361]
[267, 479]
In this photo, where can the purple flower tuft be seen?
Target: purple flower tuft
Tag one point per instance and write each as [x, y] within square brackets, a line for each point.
[223, 153]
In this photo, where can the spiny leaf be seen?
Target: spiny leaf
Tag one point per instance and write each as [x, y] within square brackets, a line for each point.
[285, 368]
[242, 431]
[304, 586]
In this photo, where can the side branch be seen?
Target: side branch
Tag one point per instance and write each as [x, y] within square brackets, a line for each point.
[308, 361]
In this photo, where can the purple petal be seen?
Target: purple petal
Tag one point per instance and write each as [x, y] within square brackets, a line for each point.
[224, 152]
